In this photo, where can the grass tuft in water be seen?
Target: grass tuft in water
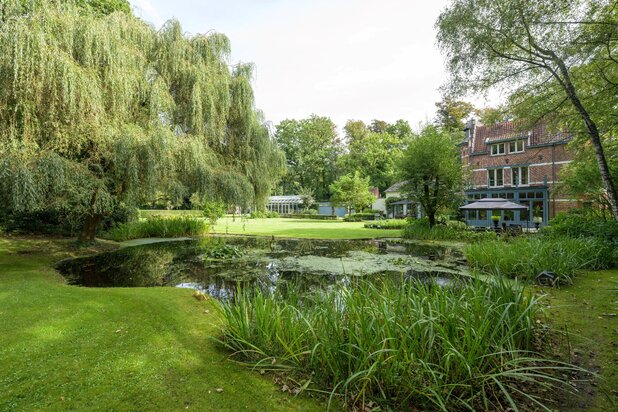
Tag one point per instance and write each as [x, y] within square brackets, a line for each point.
[397, 345]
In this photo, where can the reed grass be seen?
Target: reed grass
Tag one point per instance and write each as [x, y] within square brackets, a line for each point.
[452, 230]
[398, 346]
[158, 226]
[525, 257]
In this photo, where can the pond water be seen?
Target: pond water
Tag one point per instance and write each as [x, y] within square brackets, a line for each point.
[216, 265]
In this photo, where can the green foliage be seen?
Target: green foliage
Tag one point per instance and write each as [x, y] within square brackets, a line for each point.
[452, 114]
[163, 227]
[374, 150]
[352, 192]
[420, 229]
[311, 147]
[387, 224]
[359, 217]
[398, 346]
[106, 6]
[306, 197]
[263, 214]
[213, 211]
[100, 109]
[525, 257]
[432, 170]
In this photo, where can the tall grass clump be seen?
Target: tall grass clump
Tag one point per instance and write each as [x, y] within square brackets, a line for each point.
[158, 227]
[452, 230]
[387, 224]
[398, 346]
[527, 256]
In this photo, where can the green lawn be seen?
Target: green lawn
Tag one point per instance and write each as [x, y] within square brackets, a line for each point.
[301, 228]
[70, 348]
[588, 311]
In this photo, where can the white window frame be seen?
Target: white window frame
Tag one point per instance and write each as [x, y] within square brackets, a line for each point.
[497, 145]
[494, 173]
[517, 143]
[518, 181]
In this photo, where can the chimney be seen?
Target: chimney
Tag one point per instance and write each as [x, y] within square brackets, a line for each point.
[470, 125]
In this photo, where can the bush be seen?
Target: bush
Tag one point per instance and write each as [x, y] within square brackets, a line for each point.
[311, 216]
[580, 223]
[452, 230]
[359, 217]
[526, 257]
[387, 224]
[158, 227]
[263, 214]
[397, 346]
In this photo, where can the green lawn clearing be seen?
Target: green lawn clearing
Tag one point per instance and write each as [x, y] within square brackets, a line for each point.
[301, 228]
[70, 348]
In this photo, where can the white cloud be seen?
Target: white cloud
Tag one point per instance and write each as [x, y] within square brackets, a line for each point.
[147, 11]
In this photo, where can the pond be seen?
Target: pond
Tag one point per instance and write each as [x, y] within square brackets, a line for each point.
[217, 264]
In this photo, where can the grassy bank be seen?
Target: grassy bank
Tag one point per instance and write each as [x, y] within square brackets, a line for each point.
[159, 227]
[70, 348]
[587, 310]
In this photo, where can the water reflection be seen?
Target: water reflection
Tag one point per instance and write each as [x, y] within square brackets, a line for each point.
[217, 265]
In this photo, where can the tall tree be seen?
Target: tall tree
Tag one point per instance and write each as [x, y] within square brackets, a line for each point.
[98, 109]
[556, 57]
[452, 114]
[311, 147]
[374, 154]
[352, 192]
[432, 170]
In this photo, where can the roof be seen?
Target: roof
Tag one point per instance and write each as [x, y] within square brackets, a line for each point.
[512, 130]
[397, 186]
[401, 202]
[495, 203]
[291, 199]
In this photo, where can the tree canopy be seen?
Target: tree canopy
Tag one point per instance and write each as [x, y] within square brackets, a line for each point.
[352, 192]
[98, 109]
[556, 59]
[311, 147]
[432, 171]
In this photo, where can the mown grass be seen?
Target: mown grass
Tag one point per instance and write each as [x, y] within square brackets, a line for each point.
[525, 257]
[399, 346]
[139, 349]
[300, 228]
[159, 227]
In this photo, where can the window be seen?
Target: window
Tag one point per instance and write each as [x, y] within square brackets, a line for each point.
[519, 176]
[496, 177]
[516, 146]
[497, 149]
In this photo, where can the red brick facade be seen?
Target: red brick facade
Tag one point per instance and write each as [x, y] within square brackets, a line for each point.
[506, 160]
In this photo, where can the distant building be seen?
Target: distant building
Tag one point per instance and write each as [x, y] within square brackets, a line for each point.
[284, 204]
[402, 207]
[523, 166]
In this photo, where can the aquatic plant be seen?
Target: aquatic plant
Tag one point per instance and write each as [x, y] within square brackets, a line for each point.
[452, 230]
[158, 227]
[525, 257]
[398, 345]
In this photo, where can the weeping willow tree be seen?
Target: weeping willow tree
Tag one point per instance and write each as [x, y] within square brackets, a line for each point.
[98, 109]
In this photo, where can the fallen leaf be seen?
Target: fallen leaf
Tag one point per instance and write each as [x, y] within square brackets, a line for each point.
[219, 390]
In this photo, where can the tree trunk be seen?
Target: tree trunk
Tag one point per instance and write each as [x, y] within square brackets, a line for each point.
[89, 229]
[593, 133]
[432, 219]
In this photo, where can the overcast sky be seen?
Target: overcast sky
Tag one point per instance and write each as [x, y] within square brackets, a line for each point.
[345, 59]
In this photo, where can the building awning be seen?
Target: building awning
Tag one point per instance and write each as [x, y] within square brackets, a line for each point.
[496, 203]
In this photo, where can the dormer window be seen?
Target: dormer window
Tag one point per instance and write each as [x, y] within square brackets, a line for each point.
[497, 149]
[516, 146]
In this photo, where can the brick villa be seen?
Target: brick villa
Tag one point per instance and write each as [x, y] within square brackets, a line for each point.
[502, 160]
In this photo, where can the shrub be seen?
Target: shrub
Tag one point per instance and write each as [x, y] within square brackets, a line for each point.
[158, 227]
[311, 216]
[452, 230]
[526, 257]
[263, 214]
[359, 217]
[397, 346]
[387, 224]
[580, 223]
